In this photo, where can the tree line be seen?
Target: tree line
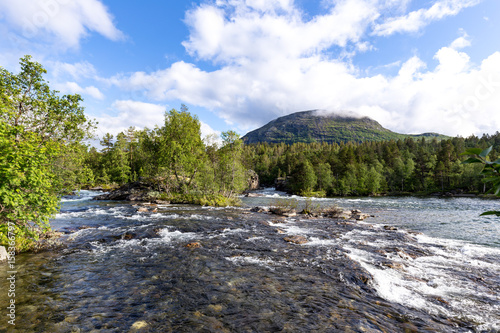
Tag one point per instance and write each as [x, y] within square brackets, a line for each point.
[406, 166]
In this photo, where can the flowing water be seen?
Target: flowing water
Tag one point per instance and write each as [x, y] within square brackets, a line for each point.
[419, 265]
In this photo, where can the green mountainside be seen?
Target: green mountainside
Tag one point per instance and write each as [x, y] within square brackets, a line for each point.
[312, 126]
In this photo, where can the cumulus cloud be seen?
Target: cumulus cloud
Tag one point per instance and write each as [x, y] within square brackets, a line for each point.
[461, 42]
[416, 20]
[273, 61]
[64, 22]
[140, 115]
[249, 35]
[75, 88]
[76, 71]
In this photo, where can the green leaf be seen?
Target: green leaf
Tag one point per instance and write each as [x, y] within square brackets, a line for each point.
[472, 160]
[491, 212]
[472, 151]
[485, 152]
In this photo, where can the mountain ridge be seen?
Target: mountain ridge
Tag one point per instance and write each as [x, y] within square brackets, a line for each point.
[320, 126]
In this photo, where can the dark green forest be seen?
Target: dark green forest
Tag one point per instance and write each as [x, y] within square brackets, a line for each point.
[406, 166]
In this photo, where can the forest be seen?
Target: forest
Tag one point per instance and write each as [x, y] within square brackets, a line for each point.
[394, 167]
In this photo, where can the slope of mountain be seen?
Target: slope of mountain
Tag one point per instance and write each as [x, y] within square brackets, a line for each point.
[317, 126]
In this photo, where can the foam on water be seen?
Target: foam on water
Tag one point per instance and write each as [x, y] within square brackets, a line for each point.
[243, 260]
[168, 236]
[443, 283]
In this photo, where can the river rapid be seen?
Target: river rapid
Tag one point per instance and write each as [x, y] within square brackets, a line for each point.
[418, 265]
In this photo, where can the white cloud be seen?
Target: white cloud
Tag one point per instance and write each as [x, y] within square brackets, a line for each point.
[273, 62]
[416, 20]
[76, 71]
[75, 88]
[249, 35]
[461, 42]
[63, 22]
[139, 115]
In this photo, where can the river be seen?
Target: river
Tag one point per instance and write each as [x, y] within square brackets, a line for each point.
[418, 265]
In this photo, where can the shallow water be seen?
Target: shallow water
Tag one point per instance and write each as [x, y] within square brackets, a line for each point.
[130, 271]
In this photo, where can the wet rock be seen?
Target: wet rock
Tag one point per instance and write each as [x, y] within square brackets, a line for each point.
[162, 202]
[279, 231]
[128, 235]
[360, 216]
[389, 227]
[252, 180]
[290, 214]
[258, 210]
[296, 239]
[84, 227]
[394, 265]
[139, 325]
[135, 191]
[193, 245]
[3, 253]
[215, 307]
[142, 210]
[253, 195]
[283, 211]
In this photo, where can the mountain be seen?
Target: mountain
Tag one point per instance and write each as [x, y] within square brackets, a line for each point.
[319, 126]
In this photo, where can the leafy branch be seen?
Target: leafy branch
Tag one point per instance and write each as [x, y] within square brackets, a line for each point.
[491, 170]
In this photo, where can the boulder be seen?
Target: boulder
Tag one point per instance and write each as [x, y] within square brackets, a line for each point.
[283, 211]
[193, 245]
[135, 191]
[258, 210]
[389, 227]
[296, 239]
[252, 180]
[360, 216]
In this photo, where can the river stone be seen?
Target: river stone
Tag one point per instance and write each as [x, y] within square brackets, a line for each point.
[296, 239]
[360, 216]
[193, 245]
[388, 227]
[139, 324]
[3, 253]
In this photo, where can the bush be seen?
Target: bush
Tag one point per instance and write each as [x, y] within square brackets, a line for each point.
[282, 205]
[332, 211]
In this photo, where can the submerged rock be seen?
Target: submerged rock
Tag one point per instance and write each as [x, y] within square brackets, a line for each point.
[139, 325]
[296, 239]
[193, 245]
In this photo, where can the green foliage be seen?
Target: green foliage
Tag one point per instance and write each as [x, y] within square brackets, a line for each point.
[304, 178]
[283, 205]
[310, 207]
[371, 168]
[490, 172]
[183, 167]
[200, 198]
[40, 133]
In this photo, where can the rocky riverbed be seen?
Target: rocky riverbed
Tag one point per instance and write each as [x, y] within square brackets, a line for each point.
[182, 268]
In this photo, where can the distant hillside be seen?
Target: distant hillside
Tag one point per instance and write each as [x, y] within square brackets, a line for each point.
[313, 126]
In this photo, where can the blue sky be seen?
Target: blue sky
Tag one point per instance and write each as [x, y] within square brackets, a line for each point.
[414, 66]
